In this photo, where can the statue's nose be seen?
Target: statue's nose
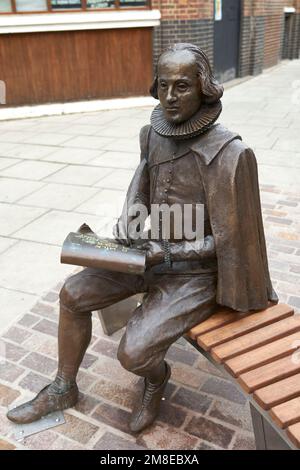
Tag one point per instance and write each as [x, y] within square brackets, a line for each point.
[171, 97]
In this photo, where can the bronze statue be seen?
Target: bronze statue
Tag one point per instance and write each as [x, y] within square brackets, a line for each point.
[185, 158]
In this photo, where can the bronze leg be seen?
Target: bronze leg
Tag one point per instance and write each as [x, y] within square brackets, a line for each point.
[173, 305]
[87, 291]
[74, 336]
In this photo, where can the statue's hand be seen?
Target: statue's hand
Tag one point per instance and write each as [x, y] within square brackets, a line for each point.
[154, 252]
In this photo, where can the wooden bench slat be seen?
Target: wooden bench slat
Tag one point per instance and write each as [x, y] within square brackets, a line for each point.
[263, 355]
[244, 325]
[257, 349]
[294, 434]
[278, 392]
[268, 374]
[287, 413]
[217, 320]
[255, 339]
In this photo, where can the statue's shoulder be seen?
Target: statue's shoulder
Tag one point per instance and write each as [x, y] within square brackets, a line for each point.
[212, 145]
[144, 140]
[144, 133]
[235, 152]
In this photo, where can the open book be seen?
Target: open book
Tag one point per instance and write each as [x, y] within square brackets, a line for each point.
[85, 248]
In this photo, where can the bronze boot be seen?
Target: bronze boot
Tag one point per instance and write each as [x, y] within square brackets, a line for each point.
[147, 409]
[49, 399]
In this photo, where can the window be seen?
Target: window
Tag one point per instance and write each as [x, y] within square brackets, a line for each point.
[132, 3]
[31, 5]
[5, 6]
[100, 4]
[54, 6]
[66, 4]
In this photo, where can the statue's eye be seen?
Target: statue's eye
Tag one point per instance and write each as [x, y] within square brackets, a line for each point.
[163, 85]
[182, 86]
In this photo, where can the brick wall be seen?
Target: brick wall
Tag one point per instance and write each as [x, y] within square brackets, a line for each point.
[261, 37]
[184, 21]
[294, 31]
[274, 24]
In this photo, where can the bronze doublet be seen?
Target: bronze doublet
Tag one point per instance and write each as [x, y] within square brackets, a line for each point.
[174, 175]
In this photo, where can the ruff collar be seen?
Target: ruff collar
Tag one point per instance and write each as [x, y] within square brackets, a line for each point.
[196, 125]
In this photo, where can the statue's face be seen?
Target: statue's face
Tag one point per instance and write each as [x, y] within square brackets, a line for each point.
[179, 88]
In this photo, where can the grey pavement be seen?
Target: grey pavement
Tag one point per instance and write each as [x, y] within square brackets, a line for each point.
[60, 171]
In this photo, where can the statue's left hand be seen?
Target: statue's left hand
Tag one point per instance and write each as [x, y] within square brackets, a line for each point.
[154, 252]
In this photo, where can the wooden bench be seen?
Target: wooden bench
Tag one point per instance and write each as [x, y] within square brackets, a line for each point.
[259, 352]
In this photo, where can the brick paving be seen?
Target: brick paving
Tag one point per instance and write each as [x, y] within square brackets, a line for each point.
[202, 409]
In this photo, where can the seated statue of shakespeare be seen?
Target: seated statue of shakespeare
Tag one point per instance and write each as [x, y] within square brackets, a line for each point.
[186, 158]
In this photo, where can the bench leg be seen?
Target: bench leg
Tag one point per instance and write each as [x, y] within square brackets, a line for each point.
[266, 438]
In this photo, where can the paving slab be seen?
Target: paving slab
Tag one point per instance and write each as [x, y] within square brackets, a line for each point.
[31, 267]
[13, 217]
[12, 189]
[80, 175]
[53, 227]
[58, 196]
[31, 170]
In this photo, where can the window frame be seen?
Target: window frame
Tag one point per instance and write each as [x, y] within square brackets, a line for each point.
[82, 9]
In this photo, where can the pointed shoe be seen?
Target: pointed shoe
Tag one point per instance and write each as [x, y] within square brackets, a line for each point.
[147, 409]
[44, 403]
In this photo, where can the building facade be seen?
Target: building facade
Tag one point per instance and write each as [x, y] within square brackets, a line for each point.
[69, 50]
[241, 37]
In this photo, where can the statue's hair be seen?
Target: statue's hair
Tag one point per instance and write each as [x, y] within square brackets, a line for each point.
[212, 91]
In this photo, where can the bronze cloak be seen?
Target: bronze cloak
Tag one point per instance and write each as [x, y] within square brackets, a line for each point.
[228, 170]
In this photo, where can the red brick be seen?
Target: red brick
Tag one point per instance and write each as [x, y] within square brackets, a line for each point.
[4, 445]
[40, 441]
[77, 429]
[47, 327]
[192, 400]
[34, 382]
[224, 389]
[88, 360]
[244, 443]
[232, 413]
[11, 351]
[112, 416]
[9, 371]
[28, 320]
[40, 363]
[210, 431]
[7, 395]
[18, 335]
[115, 392]
[44, 310]
[180, 355]
[187, 375]
[85, 380]
[61, 443]
[51, 297]
[110, 441]
[105, 347]
[157, 437]
[86, 404]
[171, 415]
